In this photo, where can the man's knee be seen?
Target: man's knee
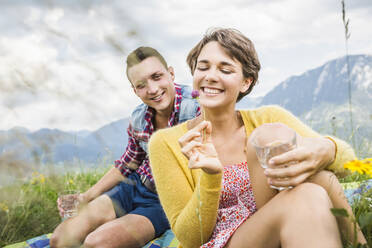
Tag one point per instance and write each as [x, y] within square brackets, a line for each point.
[102, 205]
[94, 240]
[54, 240]
[63, 239]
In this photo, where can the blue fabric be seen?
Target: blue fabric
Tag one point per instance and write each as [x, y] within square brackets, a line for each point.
[40, 244]
[132, 197]
[188, 110]
[166, 240]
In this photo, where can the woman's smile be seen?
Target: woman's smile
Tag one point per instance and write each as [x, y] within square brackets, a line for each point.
[211, 91]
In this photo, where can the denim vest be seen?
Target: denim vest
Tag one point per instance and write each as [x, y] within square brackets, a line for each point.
[187, 111]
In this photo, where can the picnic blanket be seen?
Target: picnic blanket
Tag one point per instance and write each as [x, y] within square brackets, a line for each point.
[167, 240]
[352, 190]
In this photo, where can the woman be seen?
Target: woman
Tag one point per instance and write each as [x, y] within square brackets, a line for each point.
[211, 186]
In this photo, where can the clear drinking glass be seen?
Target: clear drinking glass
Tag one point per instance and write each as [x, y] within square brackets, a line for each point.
[69, 203]
[270, 140]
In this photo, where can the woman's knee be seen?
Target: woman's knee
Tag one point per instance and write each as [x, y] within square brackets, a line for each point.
[326, 179]
[310, 209]
[311, 196]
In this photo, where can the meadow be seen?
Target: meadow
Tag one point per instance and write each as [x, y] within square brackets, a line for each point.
[29, 209]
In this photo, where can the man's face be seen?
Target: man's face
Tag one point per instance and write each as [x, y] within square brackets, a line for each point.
[153, 83]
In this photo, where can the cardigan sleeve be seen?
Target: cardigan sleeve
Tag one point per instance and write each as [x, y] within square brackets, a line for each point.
[191, 209]
[344, 152]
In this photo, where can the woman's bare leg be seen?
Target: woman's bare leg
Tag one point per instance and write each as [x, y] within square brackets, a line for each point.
[335, 192]
[299, 217]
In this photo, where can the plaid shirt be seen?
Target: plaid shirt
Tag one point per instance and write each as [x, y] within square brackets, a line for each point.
[134, 152]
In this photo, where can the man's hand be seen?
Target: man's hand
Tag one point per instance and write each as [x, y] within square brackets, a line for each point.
[68, 198]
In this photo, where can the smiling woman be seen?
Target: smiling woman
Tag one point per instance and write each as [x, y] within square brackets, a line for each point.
[226, 195]
[219, 66]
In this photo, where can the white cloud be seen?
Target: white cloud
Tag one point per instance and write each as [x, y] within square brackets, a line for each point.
[62, 65]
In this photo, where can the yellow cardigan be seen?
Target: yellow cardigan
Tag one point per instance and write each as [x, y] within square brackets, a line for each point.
[184, 193]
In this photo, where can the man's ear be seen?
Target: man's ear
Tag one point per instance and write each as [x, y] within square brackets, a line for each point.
[246, 83]
[171, 72]
[134, 89]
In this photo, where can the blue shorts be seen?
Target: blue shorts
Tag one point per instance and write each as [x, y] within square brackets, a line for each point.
[132, 197]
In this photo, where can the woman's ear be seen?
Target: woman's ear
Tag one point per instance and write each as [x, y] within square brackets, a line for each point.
[246, 83]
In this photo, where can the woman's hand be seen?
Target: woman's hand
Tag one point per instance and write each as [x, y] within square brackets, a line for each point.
[311, 156]
[199, 148]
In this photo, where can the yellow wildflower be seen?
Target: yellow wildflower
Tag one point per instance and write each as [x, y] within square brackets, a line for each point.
[37, 178]
[71, 181]
[42, 179]
[361, 166]
[33, 181]
[4, 207]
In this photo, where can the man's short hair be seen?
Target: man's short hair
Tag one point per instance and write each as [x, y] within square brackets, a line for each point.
[142, 53]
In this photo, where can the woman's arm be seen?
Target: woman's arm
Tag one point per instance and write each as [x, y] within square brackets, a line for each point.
[183, 192]
[314, 152]
[344, 152]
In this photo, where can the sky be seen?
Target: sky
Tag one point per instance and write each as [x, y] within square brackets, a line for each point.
[62, 62]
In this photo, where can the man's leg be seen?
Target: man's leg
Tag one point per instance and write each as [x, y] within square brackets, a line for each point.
[131, 230]
[72, 232]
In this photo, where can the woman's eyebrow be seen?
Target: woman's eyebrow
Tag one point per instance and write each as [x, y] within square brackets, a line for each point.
[226, 63]
[204, 61]
[223, 63]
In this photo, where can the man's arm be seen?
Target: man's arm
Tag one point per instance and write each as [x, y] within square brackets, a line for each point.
[128, 163]
[108, 181]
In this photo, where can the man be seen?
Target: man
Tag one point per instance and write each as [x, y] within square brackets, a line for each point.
[123, 209]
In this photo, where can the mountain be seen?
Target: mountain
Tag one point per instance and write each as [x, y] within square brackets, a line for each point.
[249, 102]
[55, 146]
[320, 98]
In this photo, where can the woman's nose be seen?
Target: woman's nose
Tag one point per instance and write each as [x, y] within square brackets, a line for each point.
[211, 75]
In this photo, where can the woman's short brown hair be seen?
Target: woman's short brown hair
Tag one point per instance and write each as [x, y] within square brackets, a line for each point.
[237, 46]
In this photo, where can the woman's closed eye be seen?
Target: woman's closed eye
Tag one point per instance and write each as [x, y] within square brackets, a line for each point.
[226, 71]
[202, 68]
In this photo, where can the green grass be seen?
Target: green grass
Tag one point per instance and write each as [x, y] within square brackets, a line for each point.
[28, 210]
[362, 209]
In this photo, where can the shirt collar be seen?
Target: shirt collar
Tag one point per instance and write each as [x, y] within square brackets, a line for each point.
[173, 119]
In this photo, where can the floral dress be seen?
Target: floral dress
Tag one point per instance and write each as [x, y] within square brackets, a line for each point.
[236, 204]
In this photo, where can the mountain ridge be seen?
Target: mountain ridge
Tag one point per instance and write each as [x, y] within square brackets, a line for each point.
[318, 96]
